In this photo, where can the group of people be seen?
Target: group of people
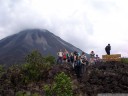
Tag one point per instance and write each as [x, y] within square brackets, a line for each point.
[79, 61]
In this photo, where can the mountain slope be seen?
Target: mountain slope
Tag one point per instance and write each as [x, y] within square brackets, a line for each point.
[13, 49]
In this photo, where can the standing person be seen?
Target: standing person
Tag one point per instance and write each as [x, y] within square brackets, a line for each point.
[60, 55]
[72, 59]
[65, 55]
[107, 49]
[75, 53]
[78, 67]
[97, 59]
[68, 57]
[92, 57]
[75, 59]
[83, 62]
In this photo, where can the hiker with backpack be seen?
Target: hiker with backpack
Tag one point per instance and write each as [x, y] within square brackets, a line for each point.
[60, 55]
[107, 49]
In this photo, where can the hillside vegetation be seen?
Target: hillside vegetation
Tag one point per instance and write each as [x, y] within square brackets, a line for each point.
[40, 76]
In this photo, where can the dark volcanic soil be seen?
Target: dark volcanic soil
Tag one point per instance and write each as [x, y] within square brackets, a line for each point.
[107, 78]
[98, 78]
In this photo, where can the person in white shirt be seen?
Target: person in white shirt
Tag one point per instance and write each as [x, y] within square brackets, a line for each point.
[92, 57]
[60, 57]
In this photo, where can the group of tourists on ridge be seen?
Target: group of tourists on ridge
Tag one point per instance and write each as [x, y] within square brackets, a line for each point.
[79, 61]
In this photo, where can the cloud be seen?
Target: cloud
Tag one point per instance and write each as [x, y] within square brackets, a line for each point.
[87, 24]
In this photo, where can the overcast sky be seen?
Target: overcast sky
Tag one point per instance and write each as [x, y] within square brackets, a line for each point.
[87, 24]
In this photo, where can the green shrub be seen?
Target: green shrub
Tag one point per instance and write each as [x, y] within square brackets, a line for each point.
[30, 73]
[34, 58]
[48, 90]
[36, 66]
[1, 70]
[124, 60]
[61, 86]
[38, 61]
[21, 93]
[50, 59]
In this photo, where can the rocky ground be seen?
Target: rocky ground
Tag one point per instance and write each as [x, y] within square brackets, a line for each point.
[98, 78]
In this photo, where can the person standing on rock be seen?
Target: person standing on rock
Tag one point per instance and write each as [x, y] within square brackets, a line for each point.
[78, 67]
[107, 49]
[92, 57]
[60, 55]
[72, 59]
[65, 55]
[97, 59]
[83, 62]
